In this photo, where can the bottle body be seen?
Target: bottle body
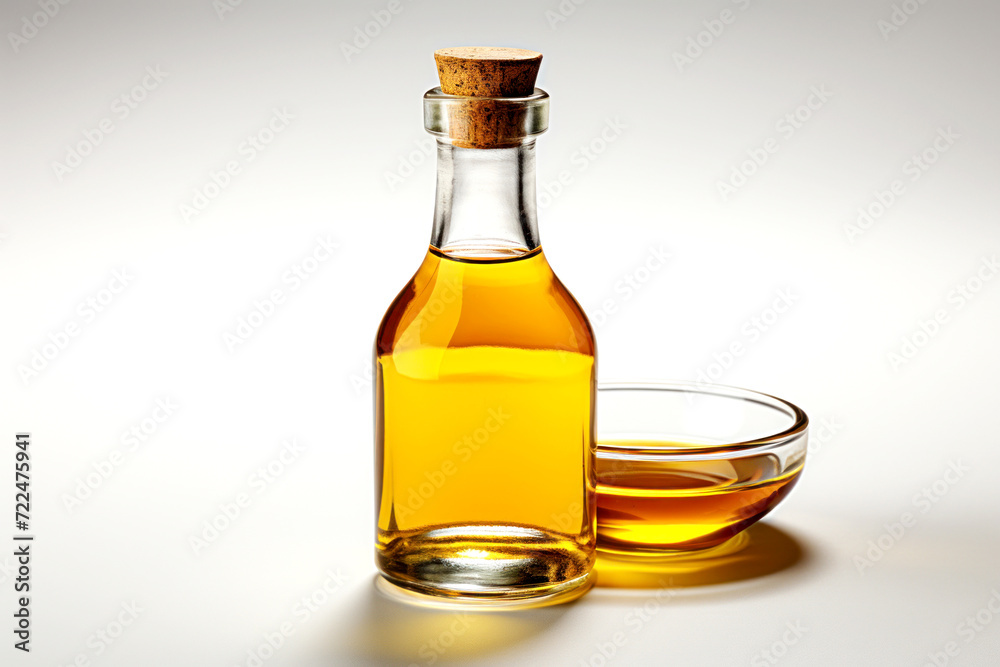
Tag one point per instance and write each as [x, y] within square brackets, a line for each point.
[484, 395]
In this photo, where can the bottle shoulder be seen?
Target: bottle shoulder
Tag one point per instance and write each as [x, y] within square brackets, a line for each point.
[516, 303]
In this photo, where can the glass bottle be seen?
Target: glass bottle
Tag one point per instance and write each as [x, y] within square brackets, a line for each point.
[485, 366]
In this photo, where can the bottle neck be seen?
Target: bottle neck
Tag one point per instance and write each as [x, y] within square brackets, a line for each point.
[485, 206]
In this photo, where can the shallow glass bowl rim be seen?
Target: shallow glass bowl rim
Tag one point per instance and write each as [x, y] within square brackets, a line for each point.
[798, 417]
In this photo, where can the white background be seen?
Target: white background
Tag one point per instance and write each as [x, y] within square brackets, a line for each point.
[679, 129]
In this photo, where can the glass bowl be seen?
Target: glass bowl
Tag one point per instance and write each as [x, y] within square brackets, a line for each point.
[684, 466]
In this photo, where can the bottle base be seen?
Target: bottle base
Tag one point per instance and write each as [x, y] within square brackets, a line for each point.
[486, 563]
[496, 600]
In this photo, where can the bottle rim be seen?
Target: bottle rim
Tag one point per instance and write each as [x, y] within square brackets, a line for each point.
[512, 120]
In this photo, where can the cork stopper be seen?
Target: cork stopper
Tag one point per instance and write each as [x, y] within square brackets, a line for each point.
[491, 83]
[487, 71]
